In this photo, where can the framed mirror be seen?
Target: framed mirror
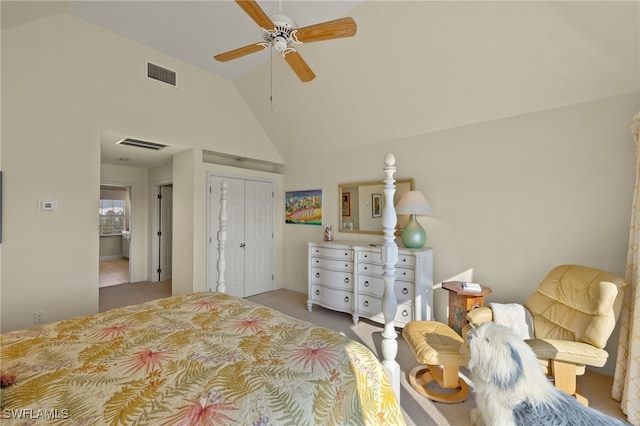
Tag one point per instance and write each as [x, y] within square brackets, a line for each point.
[361, 205]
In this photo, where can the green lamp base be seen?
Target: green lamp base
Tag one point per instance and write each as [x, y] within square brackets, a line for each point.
[413, 235]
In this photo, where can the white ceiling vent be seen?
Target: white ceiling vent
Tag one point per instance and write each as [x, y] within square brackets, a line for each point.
[141, 144]
[164, 75]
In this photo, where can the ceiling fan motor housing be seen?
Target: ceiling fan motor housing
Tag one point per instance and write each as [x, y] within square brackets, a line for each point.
[280, 36]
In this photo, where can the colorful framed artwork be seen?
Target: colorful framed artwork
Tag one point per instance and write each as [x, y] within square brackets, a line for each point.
[346, 204]
[376, 205]
[303, 207]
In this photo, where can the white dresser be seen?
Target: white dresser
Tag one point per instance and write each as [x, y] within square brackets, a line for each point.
[347, 277]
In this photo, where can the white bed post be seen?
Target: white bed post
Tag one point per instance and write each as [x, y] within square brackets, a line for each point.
[389, 260]
[222, 237]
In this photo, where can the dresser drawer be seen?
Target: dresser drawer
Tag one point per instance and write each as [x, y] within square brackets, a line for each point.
[405, 274]
[370, 256]
[371, 269]
[375, 287]
[376, 271]
[320, 262]
[406, 261]
[335, 279]
[331, 298]
[332, 253]
[371, 307]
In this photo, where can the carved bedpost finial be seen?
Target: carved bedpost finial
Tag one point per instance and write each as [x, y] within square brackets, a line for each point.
[389, 160]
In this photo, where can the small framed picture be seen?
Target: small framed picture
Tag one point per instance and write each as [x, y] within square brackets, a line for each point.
[376, 205]
[346, 204]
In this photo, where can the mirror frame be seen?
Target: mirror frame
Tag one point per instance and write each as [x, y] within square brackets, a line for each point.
[410, 181]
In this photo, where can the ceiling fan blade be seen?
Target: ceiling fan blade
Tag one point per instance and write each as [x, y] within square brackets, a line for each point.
[238, 53]
[339, 28]
[299, 66]
[256, 13]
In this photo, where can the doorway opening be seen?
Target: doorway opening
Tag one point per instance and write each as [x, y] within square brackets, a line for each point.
[115, 230]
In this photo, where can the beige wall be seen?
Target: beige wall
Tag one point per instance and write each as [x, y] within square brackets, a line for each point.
[59, 94]
[511, 198]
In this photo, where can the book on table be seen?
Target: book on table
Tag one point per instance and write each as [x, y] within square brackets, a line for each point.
[471, 287]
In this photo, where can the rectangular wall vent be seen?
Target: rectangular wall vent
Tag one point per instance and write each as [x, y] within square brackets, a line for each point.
[161, 74]
[141, 144]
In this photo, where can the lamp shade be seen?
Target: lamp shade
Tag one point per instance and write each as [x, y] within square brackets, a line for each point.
[413, 202]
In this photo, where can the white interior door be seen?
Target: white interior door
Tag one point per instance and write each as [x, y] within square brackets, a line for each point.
[259, 237]
[249, 247]
[166, 232]
[234, 246]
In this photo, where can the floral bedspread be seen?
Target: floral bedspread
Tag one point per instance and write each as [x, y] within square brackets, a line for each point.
[197, 359]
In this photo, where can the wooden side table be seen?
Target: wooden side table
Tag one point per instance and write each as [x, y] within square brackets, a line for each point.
[461, 302]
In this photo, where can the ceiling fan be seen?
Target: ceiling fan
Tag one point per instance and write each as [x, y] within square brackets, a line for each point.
[281, 32]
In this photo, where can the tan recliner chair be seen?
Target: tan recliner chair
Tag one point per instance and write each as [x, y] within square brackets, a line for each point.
[574, 311]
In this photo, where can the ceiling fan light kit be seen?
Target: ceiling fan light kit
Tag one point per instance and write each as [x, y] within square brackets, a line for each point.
[281, 32]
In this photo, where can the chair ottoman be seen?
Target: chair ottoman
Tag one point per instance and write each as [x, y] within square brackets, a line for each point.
[436, 347]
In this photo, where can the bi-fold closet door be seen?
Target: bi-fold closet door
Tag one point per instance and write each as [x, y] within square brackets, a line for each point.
[249, 247]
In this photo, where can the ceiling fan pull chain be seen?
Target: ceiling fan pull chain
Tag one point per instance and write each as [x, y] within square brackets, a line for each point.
[271, 80]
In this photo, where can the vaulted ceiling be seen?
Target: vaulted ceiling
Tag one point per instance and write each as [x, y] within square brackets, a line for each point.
[414, 67]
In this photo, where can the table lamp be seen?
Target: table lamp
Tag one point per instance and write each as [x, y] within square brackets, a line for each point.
[413, 203]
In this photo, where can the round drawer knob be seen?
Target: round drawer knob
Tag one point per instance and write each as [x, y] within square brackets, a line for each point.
[346, 265]
[405, 291]
[366, 255]
[317, 274]
[366, 303]
[346, 299]
[366, 283]
[404, 273]
[346, 280]
[365, 268]
[405, 313]
[317, 292]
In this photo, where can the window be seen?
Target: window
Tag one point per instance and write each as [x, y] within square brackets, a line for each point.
[112, 211]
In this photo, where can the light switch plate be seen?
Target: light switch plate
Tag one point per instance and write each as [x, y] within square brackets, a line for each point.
[48, 205]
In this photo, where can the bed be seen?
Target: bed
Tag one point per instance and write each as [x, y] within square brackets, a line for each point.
[205, 359]
[196, 359]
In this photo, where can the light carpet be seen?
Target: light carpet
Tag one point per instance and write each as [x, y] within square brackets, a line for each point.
[417, 409]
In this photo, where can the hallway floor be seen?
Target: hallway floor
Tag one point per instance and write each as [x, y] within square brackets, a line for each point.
[113, 272]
